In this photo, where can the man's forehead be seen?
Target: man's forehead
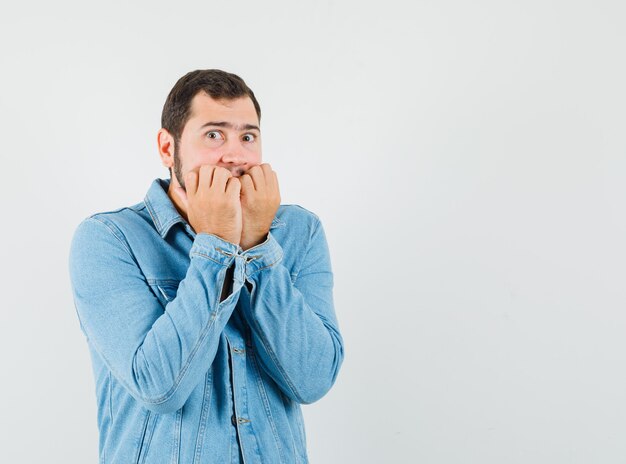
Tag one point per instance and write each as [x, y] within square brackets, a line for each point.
[203, 105]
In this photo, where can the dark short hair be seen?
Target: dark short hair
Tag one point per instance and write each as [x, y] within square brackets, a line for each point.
[218, 84]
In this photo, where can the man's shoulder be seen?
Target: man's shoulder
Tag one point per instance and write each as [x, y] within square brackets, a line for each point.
[118, 221]
[295, 226]
[296, 213]
[121, 215]
[295, 219]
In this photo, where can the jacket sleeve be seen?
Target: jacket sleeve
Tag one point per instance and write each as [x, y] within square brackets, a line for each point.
[158, 354]
[293, 323]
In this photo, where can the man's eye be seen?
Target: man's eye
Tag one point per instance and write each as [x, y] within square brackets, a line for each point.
[215, 135]
[249, 138]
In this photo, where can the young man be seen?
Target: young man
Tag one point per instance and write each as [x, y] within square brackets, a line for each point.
[208, 306]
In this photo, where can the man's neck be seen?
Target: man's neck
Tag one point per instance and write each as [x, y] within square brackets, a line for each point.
[176, 201]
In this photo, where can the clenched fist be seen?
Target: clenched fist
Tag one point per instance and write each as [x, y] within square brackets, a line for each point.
[260, 199]
[212, 202]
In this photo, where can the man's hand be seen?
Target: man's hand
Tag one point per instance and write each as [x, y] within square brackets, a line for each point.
[260, 199]
[212, 202]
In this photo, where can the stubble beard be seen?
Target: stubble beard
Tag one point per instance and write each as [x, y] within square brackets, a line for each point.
[178, 167]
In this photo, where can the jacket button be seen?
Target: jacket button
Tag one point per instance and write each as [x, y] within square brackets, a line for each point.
[241, 420]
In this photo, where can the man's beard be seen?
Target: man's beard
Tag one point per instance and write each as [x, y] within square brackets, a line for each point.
[178, 168]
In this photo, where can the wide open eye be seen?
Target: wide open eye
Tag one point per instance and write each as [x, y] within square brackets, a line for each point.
[215, 135]
[249, 137]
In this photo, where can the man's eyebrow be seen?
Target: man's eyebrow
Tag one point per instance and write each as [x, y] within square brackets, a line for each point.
[229, 125]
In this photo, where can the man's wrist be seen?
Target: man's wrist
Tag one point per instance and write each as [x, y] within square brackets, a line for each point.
[247, 243]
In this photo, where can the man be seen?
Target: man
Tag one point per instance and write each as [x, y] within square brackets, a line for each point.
[207, 307]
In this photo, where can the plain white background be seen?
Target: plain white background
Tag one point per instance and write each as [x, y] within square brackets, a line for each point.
[467, 160]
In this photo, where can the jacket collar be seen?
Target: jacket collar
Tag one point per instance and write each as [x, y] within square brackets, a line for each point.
[163, 212]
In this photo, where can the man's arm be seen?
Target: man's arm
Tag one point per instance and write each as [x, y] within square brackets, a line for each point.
[158, 354]
[294, 327]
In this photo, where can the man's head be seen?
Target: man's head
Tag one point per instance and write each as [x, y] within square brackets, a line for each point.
[210, 117]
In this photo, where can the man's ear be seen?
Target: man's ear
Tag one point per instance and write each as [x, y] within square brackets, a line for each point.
[165, 142]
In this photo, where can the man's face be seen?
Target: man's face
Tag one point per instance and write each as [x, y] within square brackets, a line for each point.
[224, 133]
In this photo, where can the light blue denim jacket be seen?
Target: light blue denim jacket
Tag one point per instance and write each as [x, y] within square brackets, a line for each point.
[182, 377]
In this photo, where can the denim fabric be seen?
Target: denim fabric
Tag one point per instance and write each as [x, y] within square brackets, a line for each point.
[182, 377]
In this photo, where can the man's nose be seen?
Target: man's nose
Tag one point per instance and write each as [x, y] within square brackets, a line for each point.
[233, 153]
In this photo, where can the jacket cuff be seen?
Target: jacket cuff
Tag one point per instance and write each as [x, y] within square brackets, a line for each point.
[214, 248]
[263, 255]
